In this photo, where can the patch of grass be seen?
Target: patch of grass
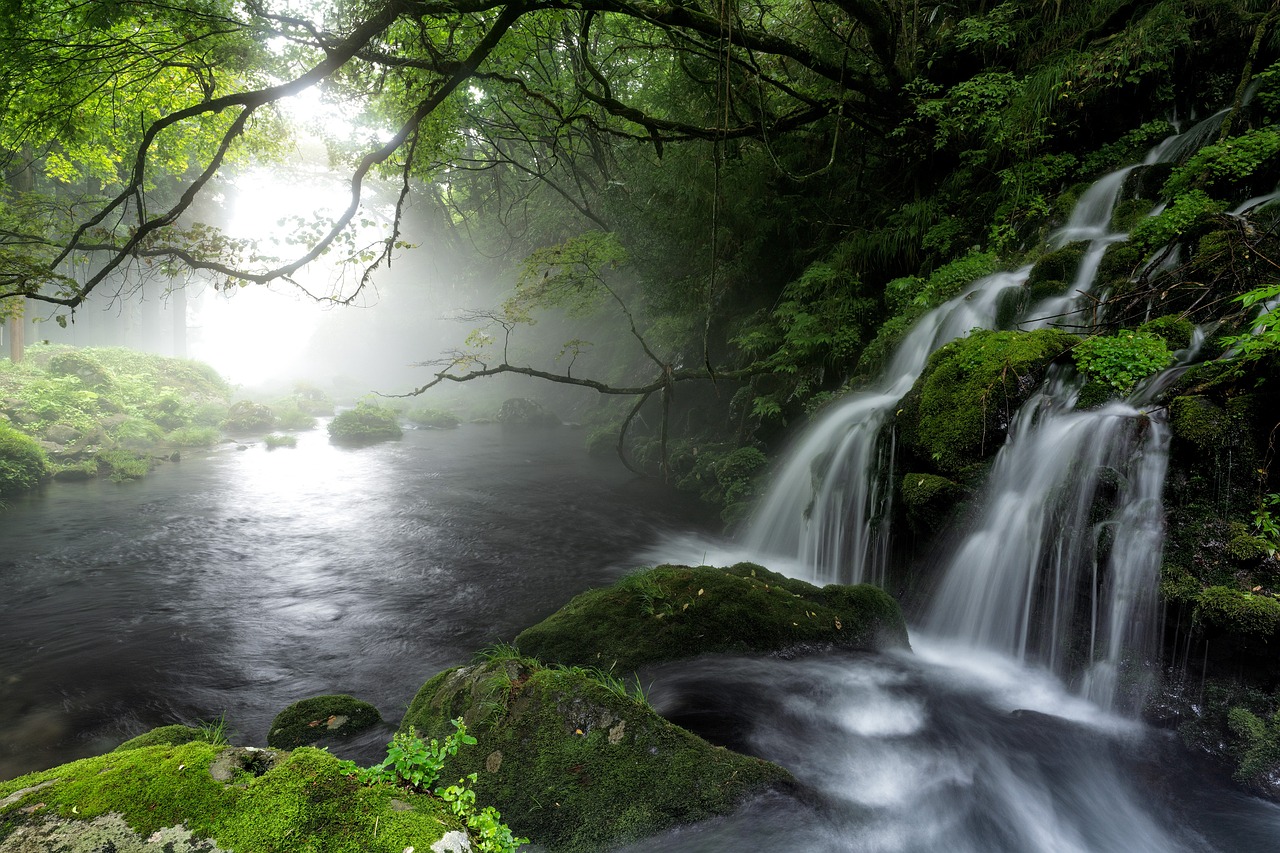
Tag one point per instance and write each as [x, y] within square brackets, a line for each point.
[365, 423]
[124, 465]
[275, 439]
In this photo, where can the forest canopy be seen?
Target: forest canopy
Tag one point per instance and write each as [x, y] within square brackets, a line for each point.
[757, 187]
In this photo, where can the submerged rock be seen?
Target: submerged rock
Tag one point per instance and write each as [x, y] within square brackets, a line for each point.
[574, 762]
[673, 612]
[307, 721]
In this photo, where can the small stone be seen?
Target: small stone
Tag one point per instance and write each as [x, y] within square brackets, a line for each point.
[493, 763]
[616, 733]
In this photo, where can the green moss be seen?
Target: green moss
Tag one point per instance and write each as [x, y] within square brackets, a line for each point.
[23, 463]
[721, 475]
[1054, 270]
[174, 735]
[1177, 585]
[1117, 267]
[123, 465]
[929, 499]
[1257, 746]
[674, 612]
[304, 803]
[365, 423]
[574, 765]
[1237, 611]
[1200, 421]
[960, 408]
[248, 416]
[309, 720]
[1175, 330]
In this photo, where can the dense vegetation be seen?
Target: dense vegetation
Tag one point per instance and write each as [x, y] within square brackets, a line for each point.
[747, 205]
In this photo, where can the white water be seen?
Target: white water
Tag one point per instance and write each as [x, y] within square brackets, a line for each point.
[1038, 566]
[828, 505]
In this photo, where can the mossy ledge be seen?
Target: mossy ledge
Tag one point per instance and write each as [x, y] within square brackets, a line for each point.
[578, 765]
[165, 798]
[674, 612]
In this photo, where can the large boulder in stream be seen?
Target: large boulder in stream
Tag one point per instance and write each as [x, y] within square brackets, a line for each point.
[521, 411]
[673, 612]
[201, 797]
[576, 762]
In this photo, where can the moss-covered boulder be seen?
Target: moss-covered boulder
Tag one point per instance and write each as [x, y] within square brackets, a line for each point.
[960, 408]
[573, 762]
[1054, 272]
[305, 722]
[520, 411]
[929, 500]
[248, 416]
[166, 798]
[23, 463]
[673, 612]
[364, 424]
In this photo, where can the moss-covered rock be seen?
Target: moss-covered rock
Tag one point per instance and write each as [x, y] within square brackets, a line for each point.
[248, 416]
[365, 423]
[167, 795]
[1199, 420]
[576, 765]
[174, 735]
[960, 408]
[23, 463]
[1257, 750]
[929, 500]
[1054, 271]
[520, 411]
[673, 612]
[1174, 329]
[307, 721]
[1238, 611]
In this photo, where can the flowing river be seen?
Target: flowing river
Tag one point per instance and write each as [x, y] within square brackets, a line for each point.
[238, 581]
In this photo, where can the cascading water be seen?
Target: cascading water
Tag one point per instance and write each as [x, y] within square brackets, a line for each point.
[829, 502]
[1012, 585]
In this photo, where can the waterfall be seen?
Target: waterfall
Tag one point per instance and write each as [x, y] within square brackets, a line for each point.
[829, 504]
[1066, 485]
[1067, 541]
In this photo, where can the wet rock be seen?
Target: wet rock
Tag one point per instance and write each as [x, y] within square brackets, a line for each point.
[309, 720]
[576, 764]
[521, 411]
[674, 612]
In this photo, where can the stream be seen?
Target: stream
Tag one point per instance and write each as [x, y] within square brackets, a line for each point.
[238, 581]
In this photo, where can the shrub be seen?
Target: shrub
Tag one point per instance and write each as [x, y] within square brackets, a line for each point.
[435, 418]
[1123, 359]
[194, 436]
[275, 439]
[22, 462]
[1237, 611]
[366, 422]
[247, 416]
[291, 416]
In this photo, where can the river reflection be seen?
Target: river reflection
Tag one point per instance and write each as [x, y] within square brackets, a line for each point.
[238, 581]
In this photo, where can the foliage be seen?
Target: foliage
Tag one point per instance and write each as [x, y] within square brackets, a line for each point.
[1265, 523]
[365, 422]
[23, 463]
[416, 764]
[1222, 168]
[193, 436]
[1123, 359]
[1264, 337]
[722, 475]
[124, 465]
[275, 439]
[1184, 213]
[490, 833]
[289, 415]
